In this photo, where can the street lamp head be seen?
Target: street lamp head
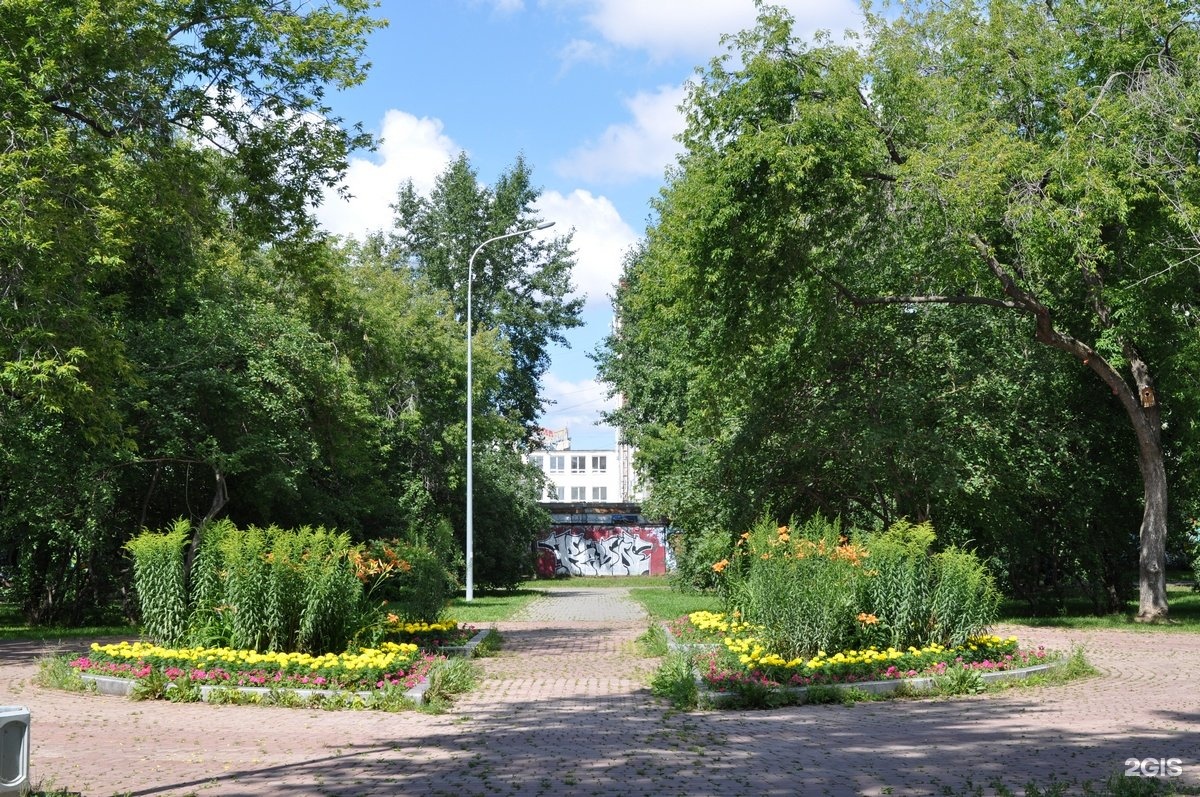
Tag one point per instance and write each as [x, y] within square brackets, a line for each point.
[544, 225]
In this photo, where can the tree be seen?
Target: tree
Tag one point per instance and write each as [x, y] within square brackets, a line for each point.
[136, 132]
[521, 284]
[1028, 158]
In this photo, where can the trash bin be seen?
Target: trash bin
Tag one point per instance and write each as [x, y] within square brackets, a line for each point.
[14, 750]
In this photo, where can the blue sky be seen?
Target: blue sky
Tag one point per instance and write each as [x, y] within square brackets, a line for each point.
[587, 90]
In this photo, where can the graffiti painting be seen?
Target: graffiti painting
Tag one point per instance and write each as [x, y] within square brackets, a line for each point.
[604, 551]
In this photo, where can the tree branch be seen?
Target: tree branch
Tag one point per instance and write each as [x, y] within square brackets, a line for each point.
[87, 120]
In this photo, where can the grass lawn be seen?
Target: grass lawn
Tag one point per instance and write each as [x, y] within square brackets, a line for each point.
[14, 626]
[1183, 602]
[489, 607]
[598, 581]
[663, 603]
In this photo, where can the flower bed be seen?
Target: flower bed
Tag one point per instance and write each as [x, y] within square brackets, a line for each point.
[429, 636]
[391, 665]
[738, 660]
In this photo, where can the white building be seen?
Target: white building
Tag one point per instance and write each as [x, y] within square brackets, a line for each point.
[604, 476]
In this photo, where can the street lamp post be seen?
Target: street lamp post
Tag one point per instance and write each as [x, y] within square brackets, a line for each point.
[470, 439]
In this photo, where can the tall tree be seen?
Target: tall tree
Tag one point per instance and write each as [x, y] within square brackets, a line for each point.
[522, 285]
[1008, 157]
[134, 133]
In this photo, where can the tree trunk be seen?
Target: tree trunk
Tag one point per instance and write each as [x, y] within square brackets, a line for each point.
[1152, 576]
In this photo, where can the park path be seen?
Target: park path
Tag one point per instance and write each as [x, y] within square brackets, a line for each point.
[565, 709]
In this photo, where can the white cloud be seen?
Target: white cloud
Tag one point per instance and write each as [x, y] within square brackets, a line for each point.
[693, 28]
[601, 239]
[643, 147]
[412, 148]
[582, 51]
[577, 407]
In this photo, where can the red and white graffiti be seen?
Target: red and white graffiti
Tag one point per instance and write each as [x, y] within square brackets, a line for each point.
[604, 551]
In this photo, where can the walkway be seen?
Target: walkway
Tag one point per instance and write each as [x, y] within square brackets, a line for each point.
[565, 710]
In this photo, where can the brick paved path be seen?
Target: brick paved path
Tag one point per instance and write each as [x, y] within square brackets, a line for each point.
[565, 710]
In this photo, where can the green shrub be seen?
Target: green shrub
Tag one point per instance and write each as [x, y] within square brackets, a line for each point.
[964, 600]
[158, 579]
[694, 557]
[813, 587]
[675, 681]
[800, 582]
[411, 578]
[260, 589]
[899, 583]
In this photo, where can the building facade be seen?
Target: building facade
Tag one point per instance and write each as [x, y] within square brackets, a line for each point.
[599, 476]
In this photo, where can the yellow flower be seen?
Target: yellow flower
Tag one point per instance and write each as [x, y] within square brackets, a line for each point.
[721, 565]
[867, 619]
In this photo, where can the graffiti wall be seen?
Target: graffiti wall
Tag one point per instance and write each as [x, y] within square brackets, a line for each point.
[604, 551]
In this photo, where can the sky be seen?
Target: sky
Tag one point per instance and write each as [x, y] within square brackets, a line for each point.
[587, 90]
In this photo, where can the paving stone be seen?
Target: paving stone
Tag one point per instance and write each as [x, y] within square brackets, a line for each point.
[565, 709]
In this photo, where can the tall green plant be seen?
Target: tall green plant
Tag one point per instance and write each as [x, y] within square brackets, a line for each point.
[899, 583]
[159, 581]
[800, 582]
[333, 595]
[964, 601]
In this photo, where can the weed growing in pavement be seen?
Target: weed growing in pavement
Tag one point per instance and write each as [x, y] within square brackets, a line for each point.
[653, 643]
[676, 682]
[56, 672]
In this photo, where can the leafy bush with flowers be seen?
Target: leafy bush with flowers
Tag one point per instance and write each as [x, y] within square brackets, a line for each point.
[811, 587]
[271, 589]
[389, 665]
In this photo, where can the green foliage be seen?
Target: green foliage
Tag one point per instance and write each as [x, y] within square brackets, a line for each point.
[964, 599]
[159, 582]
[520, 285]
[258, 589]
[796, 583]
[960, 681]
[448, 678]
[56, 672]
[411, 578]
[675, 681]
[694, 554]
[508, 520]
[901, 584]
[840, 304]
[653, 642]
[813, 587]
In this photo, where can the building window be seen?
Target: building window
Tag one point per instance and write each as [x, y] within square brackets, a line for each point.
[555, 493]
[578, 464]
[536, 461]
[600, 464]
[578, 493]
[600, 493]
[557, 463]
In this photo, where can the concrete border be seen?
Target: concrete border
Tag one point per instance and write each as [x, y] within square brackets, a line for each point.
[716, 697]
[466, 649]
[123, 687]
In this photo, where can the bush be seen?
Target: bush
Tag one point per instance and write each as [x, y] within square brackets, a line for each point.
[801, 583]
[813, 587]
[411, 578]
[694, 555]
[158, 579]
[259, 589]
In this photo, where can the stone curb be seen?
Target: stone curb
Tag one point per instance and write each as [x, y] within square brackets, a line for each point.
[467, 649]
[717, 698]
[123, 687]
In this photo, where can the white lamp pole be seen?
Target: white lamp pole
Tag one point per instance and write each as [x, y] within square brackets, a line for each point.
[470, 439]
